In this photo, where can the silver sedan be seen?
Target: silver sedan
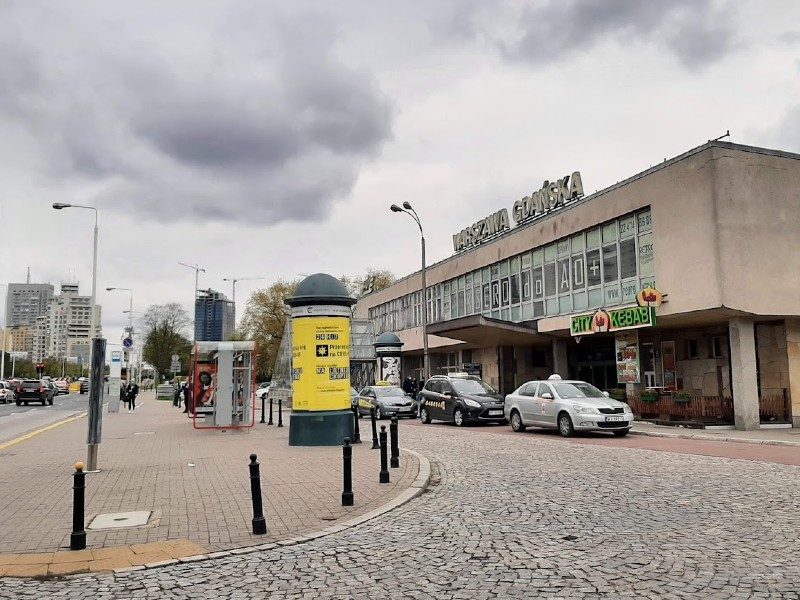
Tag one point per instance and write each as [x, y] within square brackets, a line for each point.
[568, 406]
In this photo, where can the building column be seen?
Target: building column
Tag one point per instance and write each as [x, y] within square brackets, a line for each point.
[560, 366]
[743, 373]
[793, 355]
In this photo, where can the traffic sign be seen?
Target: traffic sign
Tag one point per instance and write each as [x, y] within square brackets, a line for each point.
[128, 342]
[175, 357]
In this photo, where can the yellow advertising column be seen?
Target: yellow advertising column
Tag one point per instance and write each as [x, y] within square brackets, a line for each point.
[321, 313]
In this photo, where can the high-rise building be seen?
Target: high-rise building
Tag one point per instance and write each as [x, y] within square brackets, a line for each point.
[214, 316]
[64, 330]
[27, 301]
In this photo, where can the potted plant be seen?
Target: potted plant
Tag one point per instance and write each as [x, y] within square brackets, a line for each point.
[682, 397]
[618, 394]
[648, 396]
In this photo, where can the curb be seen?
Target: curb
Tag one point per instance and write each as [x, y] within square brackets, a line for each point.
[416, 488]
[710, 438]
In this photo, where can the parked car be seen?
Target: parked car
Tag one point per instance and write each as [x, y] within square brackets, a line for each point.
[6, 392]
[566, 405]
[34, 390]
[263, 391]
[460, 398]
[388, 400]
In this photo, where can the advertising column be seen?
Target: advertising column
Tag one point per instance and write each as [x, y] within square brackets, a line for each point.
[321, 313]
[114, 381]
[388, 348]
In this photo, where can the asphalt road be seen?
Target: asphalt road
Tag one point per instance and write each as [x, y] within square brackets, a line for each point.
[19, 420]
[524, 516]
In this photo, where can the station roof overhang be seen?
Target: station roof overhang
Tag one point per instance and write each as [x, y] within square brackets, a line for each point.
[484, 331]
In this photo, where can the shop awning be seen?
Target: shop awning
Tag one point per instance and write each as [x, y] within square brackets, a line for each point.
[477, 329]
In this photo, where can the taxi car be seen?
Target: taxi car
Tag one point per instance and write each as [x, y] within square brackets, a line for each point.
[387, 399]
[566, 405]
[460, 398]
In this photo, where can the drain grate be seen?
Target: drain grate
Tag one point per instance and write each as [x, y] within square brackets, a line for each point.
[120, 520]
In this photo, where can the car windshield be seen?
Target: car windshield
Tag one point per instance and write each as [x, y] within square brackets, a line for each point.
[472, 386]
[578, 389]
[389, 391]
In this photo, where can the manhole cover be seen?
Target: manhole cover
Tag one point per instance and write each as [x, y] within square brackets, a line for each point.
[120, 520]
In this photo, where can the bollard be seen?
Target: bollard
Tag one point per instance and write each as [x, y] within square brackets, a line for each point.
[384, 477]
[395, 460]
[262, 409]
[280, 412]
[270, 412]
[356, 426]
[259, 522]
[347, 464]
[375, 445]
[77, 539]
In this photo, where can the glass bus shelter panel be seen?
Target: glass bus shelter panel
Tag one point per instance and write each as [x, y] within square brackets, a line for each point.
[223, 381]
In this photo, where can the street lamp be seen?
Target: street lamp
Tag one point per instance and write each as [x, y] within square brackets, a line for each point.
[426, 371]
[92, 333]
[5, 331]
[130, 323]
[197, 270]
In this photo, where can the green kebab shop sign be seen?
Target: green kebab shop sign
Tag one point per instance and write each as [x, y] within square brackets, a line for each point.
[603, 321]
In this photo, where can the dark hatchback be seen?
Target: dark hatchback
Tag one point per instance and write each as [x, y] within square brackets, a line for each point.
[460, 398]
[33, 390]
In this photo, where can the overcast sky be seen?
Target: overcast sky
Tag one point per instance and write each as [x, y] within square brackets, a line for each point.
[266, 139]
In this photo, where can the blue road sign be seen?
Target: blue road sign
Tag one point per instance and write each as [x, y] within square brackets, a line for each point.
[128, 342]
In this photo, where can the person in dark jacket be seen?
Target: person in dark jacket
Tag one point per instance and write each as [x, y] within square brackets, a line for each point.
[133, 391]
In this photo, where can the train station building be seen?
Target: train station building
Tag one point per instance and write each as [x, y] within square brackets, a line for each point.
[677, 289]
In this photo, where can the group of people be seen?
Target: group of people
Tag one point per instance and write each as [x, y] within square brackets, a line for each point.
[182, 389]
[128, 393]
[412, 386]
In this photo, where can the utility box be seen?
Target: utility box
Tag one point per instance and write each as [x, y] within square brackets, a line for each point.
[223, 385]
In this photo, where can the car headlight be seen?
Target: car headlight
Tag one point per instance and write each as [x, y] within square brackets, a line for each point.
[627, 409]
[472, 403]
[586, 410]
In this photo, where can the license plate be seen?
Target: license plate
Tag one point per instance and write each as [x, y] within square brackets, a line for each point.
[495, 413]
[615, 419]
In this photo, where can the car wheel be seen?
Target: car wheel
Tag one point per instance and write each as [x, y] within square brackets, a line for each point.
[458, 417]
[621, 432]
[424, 416]
[516, 421]
[565, 427]
[19, 403]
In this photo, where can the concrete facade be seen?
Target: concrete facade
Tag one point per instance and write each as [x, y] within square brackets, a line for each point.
[720, 212]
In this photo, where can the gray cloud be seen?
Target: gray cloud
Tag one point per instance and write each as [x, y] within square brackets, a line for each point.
[254, 119]
[695, 31]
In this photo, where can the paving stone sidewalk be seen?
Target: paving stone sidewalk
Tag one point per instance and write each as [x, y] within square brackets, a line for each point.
[195, 484]
[782, 436]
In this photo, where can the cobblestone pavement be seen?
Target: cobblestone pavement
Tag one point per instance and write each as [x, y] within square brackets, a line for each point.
[521, 516]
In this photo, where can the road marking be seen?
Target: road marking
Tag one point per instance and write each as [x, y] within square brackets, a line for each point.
[22, 438]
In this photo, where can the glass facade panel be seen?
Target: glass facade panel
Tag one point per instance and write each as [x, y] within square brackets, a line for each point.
[504, 269]
[580, 301]
[593, 268]
[538, 257]
[646, 254]
[593, 239]
[611, 294]
[563, 276]
[516, 314]
[538, 283]
[610, 272]
[609, 232]
[577, 243]
[645, 221]
[578, 272]
[550, 252]
[515, 296]
[515, 265]
[629, 290]
[595, 298]
[550, 280]
[627, 258]
[526, 260]
[565, 304]
[563, 247]
[627, 227]
[551, 304]
[527, 311]
[525, 282]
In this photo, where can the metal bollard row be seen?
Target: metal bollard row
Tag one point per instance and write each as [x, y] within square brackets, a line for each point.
[259, 522]
[356, 426]
[395, 444]
[384, 474]
[347, 473]
[77, 539]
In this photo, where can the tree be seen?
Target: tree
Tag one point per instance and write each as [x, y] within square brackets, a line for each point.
[372, 281]
[264, 321]
[163, 326]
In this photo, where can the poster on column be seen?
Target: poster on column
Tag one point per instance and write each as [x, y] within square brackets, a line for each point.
[321, 363]
[627, 347]
[390, 369]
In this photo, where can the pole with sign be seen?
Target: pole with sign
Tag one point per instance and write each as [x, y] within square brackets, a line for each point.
[95, 412]
[321, 313]
[114, 381]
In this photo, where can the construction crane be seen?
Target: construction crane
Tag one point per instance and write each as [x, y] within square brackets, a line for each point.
[233, 280]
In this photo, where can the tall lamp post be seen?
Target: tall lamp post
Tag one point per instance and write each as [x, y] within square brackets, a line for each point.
[426, 370]
[93, 331]
[5, 330]
[130, 324]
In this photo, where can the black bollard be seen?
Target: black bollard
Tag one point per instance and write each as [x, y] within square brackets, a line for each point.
[77, 539]
[395, 460]
[259, 522]
[262, 409]
[356, 427]
[384, 477]
[375, 445]
[347, 460]
[280, 412]
[270, 412]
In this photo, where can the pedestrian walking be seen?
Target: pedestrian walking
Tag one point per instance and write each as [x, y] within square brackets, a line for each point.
[123, 393]
[187, 391]
[176, 395]
[133, 391]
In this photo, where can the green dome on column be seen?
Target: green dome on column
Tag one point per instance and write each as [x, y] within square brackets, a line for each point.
[320, 288]
[387, 339]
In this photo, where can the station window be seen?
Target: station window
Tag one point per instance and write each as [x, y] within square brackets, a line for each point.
[717, 347]
[691, 349]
